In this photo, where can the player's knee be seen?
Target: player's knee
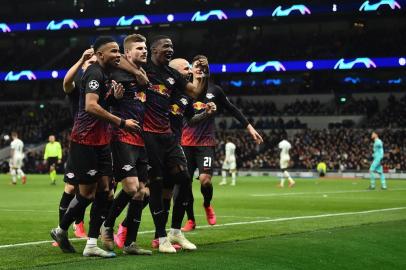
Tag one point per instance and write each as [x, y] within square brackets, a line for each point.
[131, 186]
[205, 180]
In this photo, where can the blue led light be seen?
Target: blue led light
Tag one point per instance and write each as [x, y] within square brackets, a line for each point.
[5, 28]
[236, 83]
[53, 25]
[276, 65]
[280, 12]
[367, 6]
[141, 19]
[342, 64]
[27, 74]
[199, 16]
[352, 80]
[247, 67]
[202, 17]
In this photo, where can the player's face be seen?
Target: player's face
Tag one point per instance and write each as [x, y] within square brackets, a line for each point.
[51, 138]
[164, 51]
[184, 69]
[109, 54]
[374, 136]
[89, 62]
[138, 53]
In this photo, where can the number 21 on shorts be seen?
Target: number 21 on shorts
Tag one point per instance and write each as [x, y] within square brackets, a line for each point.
[207, 162]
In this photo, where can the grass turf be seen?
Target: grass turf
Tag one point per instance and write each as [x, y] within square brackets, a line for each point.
[319, 223]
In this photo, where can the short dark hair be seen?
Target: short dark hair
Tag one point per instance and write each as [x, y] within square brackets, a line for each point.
[156, 39]
[198, 57]
[100, 41]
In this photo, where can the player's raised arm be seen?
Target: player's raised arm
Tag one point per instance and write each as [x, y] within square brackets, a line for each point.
[200, 85]
[68, 81]
[236, 113]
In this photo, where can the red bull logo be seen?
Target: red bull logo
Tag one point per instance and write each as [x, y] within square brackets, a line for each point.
[161, 89]
[141, 96]
[198, 106]
[175, 109]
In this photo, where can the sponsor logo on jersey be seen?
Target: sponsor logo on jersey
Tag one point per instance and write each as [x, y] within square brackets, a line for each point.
[70, 175]
[141, 96]
[175, 109]
[197, 106]
[160, 89]
[92, 172]
[127, 167]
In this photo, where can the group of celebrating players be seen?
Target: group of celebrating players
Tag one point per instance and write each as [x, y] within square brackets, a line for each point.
[149, 124]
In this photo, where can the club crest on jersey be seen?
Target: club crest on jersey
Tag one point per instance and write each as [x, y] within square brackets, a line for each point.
[209, 95]
[171, 80]
[93, 84]
[184, 101]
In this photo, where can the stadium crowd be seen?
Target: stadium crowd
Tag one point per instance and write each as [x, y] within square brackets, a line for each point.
[342, 149]
[33, 123]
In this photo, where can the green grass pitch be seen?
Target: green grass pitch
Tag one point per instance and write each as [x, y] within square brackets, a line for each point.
[318, 224]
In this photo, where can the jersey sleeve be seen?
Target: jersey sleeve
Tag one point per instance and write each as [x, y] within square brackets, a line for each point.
[231, 108]
[92, 80]
[12, 145]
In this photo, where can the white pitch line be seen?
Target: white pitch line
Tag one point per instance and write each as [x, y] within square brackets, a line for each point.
[241, 223]
[321, 192]
[44, 211]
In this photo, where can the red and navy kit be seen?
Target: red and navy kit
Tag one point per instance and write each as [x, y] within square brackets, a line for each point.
[129, 156]
[198, 141]
[89, 153]
[203, 133]
[163, 148]
[131, 106]
[166, 82]
[181, 108]
[88, 129]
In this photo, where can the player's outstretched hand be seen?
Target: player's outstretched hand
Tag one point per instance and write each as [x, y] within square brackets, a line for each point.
[254, 134]
[211, 107]
[87, 54]
[132, 125]
[118, 89]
